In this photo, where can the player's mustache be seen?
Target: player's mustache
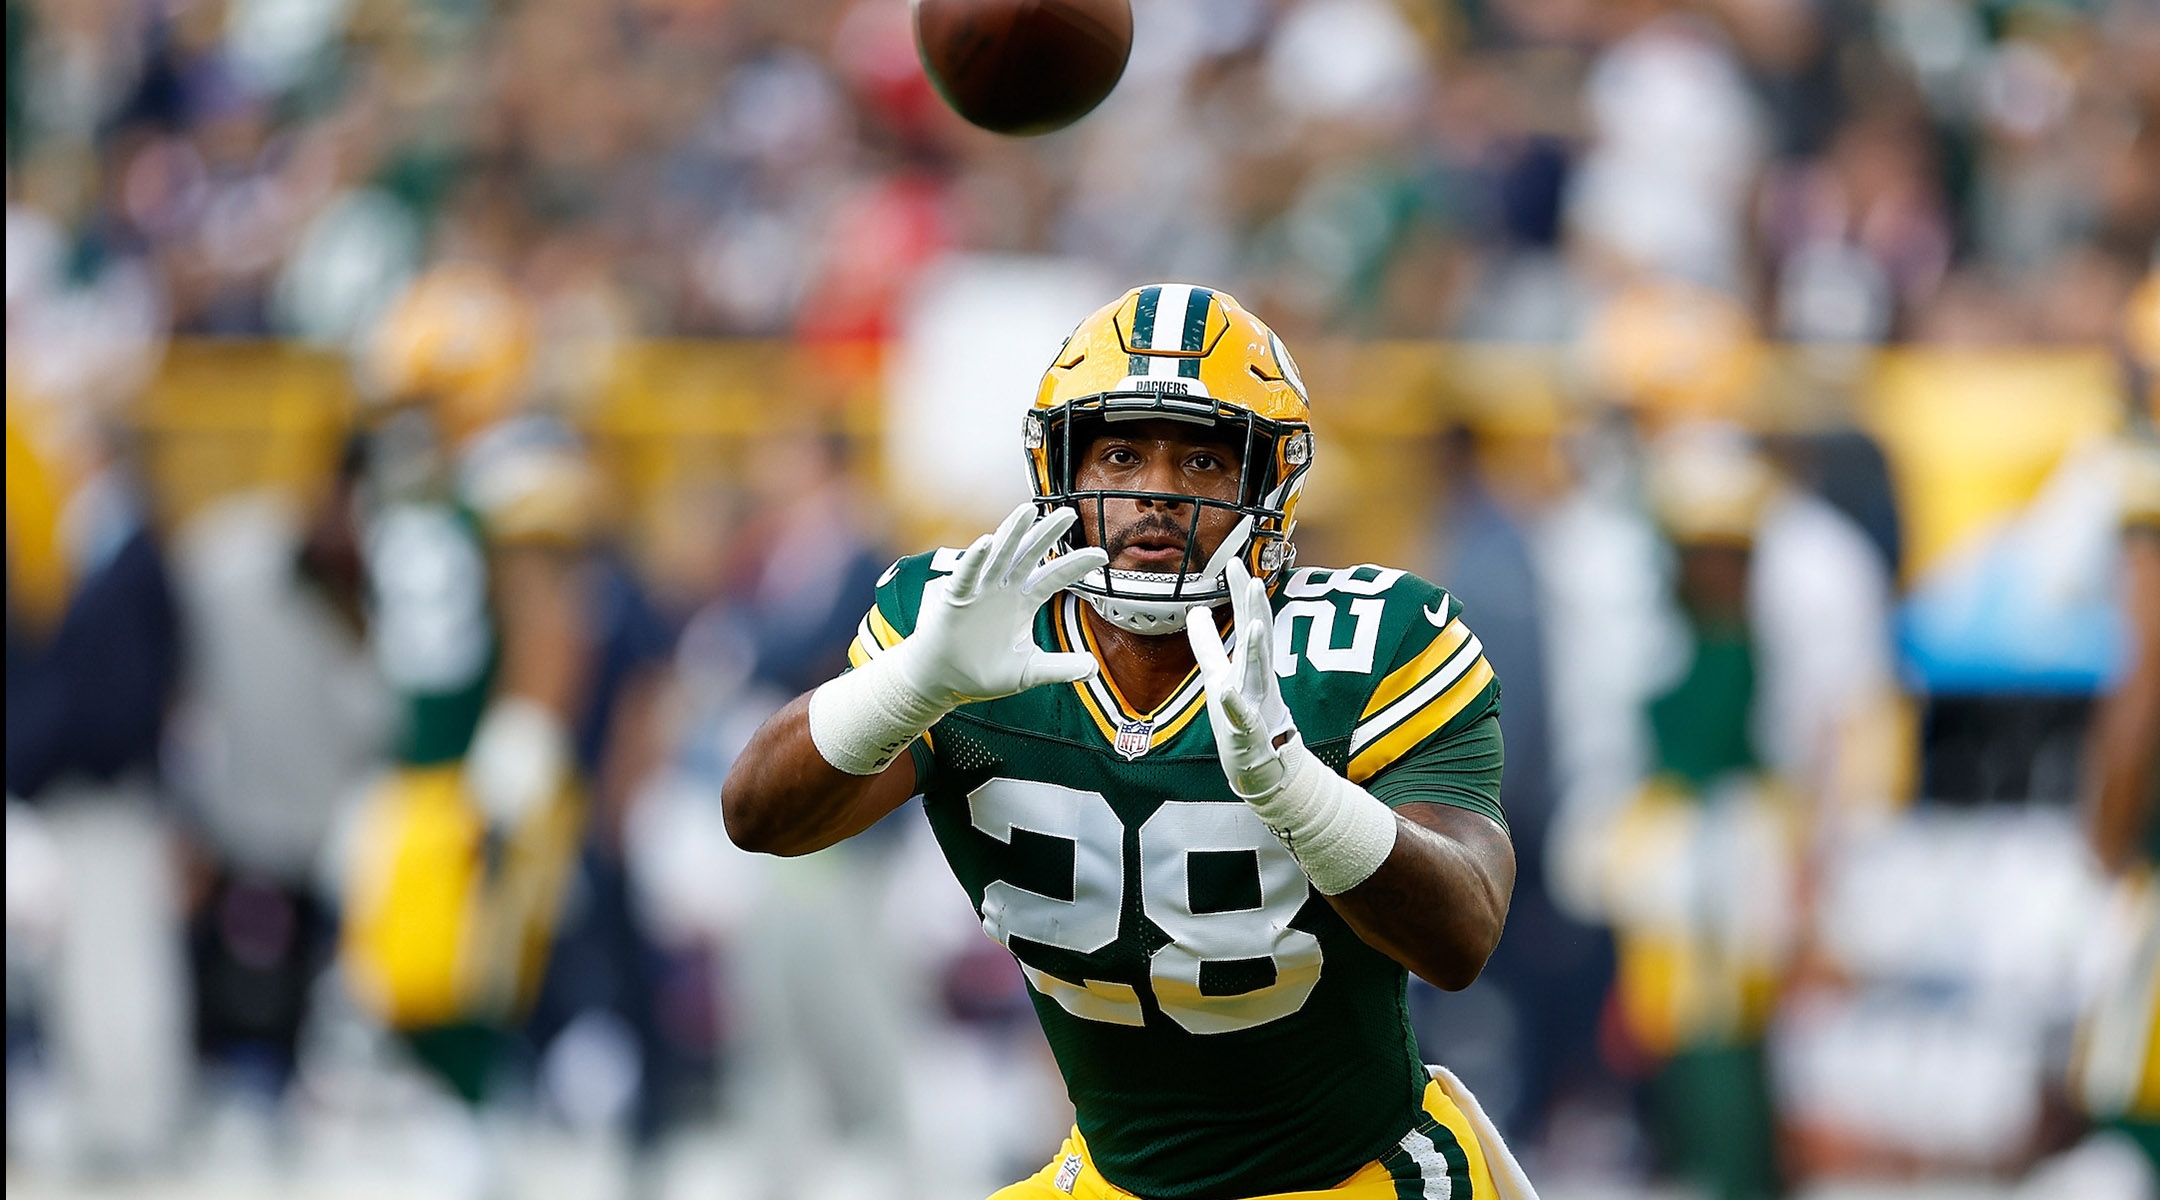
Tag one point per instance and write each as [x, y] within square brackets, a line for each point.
[1154, 526]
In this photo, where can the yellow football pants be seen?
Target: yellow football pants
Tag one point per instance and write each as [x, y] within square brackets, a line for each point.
[1442, 1158]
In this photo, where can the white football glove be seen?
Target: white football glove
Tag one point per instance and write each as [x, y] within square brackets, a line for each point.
[519, 759]
[974, 639]
[1338, 832]
[1244, 700]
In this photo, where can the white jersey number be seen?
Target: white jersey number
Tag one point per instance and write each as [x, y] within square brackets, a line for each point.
[1089, 920]
[1306, 590]
[430, 622]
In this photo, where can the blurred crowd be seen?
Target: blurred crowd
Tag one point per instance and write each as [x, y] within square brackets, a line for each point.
[1934, 170]
[367, 823]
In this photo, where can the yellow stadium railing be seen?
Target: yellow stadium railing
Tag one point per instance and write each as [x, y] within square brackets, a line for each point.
[1970, 434]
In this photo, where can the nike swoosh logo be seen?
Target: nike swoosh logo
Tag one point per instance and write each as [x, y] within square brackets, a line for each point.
[1438, 617]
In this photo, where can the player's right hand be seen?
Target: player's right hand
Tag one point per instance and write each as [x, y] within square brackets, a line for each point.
[975, 636]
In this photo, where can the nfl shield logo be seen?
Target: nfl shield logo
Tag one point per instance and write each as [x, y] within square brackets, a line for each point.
[1132, 738]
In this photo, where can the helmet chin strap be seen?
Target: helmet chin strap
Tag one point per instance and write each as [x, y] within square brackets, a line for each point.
[1159, 617]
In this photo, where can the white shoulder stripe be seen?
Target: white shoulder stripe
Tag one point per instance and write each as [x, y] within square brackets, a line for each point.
[1438, 1183]
[1395, 714]
[868, 639]
[1069, 614]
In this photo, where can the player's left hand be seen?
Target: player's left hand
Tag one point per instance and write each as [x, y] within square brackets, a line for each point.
[1252, 725]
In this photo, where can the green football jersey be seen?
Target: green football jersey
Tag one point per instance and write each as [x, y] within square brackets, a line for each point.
[1221, 1030]
[430, 623]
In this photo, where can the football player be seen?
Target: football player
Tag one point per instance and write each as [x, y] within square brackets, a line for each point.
[475, 514]
[1698, 867]
[1215, 805]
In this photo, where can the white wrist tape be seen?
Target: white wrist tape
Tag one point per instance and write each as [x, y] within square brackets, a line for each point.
[864, 719]
[1338, 832]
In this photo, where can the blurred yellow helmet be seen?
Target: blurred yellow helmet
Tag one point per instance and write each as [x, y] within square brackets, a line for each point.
[1184, 353]
[458, 340]
[1708, 486]
[1674, 351]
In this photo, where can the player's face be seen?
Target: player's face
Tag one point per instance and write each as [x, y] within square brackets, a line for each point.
[1168, 457]
[1714, 581]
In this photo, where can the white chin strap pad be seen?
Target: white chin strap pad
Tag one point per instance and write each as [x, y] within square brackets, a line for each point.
[1151, 617]
[1144, 601]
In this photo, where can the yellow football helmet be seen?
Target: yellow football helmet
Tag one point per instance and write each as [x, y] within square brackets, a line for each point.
[459, 340]
[1674, 352]
[1708, 486]
[1184, 353]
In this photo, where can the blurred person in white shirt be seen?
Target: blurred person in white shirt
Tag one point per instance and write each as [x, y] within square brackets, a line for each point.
[283, 720]
[1722, 653]
[92, 650]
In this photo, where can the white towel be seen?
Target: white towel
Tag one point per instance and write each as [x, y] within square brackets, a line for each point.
[1509, 1181]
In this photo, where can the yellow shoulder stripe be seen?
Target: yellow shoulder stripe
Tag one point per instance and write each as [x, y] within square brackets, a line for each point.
[1088, 638]
[887, 636]
[857, 655]
[1410, 674]
[1087, 700]
[1094, 710]
[1422, 724]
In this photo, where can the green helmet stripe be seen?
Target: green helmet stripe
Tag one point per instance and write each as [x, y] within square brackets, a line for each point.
[1143, 330]
[1195, 337]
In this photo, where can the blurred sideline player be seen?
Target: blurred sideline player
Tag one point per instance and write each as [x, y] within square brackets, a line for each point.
[93, 647]
[283, 720]
[1721, 654]
[2116, 1071]
[1698, 868]
[820, 1006]
[1142, 815]
[477, 522]
[1675, 359]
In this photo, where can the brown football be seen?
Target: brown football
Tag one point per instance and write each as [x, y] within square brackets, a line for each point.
[1023, 66]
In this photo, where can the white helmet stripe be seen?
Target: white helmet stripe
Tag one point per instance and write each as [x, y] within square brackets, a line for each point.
[1168, 329]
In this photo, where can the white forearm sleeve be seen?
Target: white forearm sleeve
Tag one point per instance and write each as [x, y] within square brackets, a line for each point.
[864, 719]
[1338, 832]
